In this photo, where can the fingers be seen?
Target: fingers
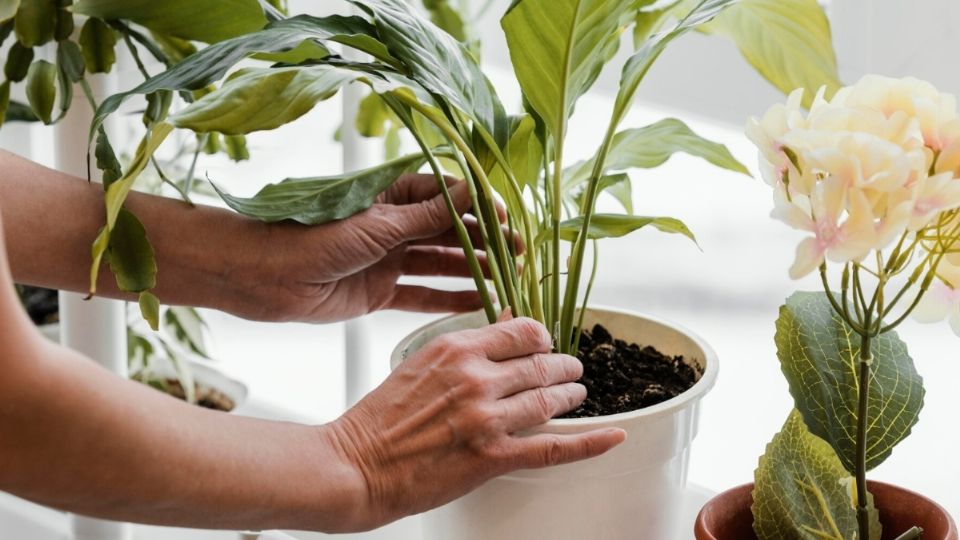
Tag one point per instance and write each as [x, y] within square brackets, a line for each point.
[538, 405]
[511, 339]
[440, 261]
[425, 219]
[427, 300]
[449, 237]
[537, 370]
[546, 450]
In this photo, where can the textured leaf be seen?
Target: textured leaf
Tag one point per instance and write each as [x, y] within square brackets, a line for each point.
[212, 63]
[107, 160]
[41, 89]
[19, 59]
[150, 310]
[116, 195]
[643, 59]
[787, 41]
[263, 99]
[36, 21]
[131, 256]
[97, 41]
[651, 146]
[8, 8]
[617, 225]
[617, 185]
[439, 62]
[313, 201]
[558, 48]
[186, 19]
[802, 491]
[819, 355]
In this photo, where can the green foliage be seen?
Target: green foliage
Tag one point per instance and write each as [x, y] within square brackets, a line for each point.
[150, 309]
[36, 22]
[802, 491]
[42, 89]
[130, 255]
[97, 41]
[4, 101]
[819, 355]
[186, 19]
[313, 201]
[617, 225]
[8, 8]
[18, 62]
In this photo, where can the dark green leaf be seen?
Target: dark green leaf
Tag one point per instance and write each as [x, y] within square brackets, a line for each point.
[313, 201]
[97, 40]
[107, 159]
[70, 60]
[20, 112]
[130, 255]
[158, 106]
[4, 101]
[213, 62]
[802, 490]
[6, 28]
[36, 21]
[819, 354]
[150, 309]
[18, 62]
[42, 89]
[186, 19]
[617, 225]
[65, 25]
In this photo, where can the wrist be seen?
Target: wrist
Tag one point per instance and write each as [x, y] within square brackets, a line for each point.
[351, 492]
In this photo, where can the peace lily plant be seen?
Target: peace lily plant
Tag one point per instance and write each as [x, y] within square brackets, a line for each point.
[460, 126]
[872, 176]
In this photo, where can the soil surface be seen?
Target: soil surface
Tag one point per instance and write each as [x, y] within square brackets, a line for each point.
[622, 377]
[208, 397]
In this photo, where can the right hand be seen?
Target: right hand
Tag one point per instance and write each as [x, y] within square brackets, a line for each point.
[447, 420]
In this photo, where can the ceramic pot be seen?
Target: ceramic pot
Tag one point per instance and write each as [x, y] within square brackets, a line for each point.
[634, 491]
[727, 516]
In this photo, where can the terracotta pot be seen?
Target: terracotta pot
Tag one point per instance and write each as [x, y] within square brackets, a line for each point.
[727, 516]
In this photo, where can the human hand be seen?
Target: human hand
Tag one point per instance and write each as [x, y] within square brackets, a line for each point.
[351, 267]
[449, 418]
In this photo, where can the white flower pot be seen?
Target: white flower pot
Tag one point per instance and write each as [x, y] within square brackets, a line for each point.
[206, 373]
[635, 491]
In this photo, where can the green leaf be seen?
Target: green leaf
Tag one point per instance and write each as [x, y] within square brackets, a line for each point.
[617, 185]
[187, 328]
[150, 309]
[41, 89]
[8, 8]
[647, 22]
[97, 41]
[802, 490]
[212, 63]
[107, 160]
[447, 18]
[651, 146]
[36, 21]
[64, 26]
[19, 59]
[70, 61]
[263, 99]
[236, 147]
[4, 101]
[439, 62]
[117, 193]
[617, 225]
[313, 201]
[20, 112]
[558, 48]
[787, 41]
[373, 116]
[819, 355]
[158, 107]
[186, 19]
[643, 59]
[130, 255]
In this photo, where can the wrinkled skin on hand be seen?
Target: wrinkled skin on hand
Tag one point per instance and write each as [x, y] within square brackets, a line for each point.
[451, 417]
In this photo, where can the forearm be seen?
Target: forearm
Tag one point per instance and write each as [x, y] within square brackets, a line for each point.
[75, 437]
[206, 256]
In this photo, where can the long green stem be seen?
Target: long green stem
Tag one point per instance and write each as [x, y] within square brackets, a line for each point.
[561, 339]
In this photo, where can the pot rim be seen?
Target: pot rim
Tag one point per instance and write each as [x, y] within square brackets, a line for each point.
[707, 379]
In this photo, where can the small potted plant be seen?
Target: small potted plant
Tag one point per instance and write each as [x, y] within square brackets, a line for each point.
[871, 176]
[644, 374]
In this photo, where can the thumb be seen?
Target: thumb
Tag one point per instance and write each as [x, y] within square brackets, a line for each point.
[428, 218]
[505, 315]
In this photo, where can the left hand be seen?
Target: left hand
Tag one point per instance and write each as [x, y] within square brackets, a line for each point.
[348, 268]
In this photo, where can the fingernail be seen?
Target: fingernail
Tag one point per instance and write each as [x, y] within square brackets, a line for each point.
[505, 315]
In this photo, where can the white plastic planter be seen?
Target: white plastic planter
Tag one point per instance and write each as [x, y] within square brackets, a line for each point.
[635, 491]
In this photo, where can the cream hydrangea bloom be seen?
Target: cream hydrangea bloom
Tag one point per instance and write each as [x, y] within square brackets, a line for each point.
[941, 302]
[856, 171]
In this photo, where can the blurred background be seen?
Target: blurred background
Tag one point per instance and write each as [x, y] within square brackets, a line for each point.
[729, 292]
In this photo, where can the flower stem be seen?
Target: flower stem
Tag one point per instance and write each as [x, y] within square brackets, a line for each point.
[866, 358]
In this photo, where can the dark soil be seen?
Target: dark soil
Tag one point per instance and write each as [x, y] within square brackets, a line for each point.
[207, 397]
[42, 305]
[623, 377]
